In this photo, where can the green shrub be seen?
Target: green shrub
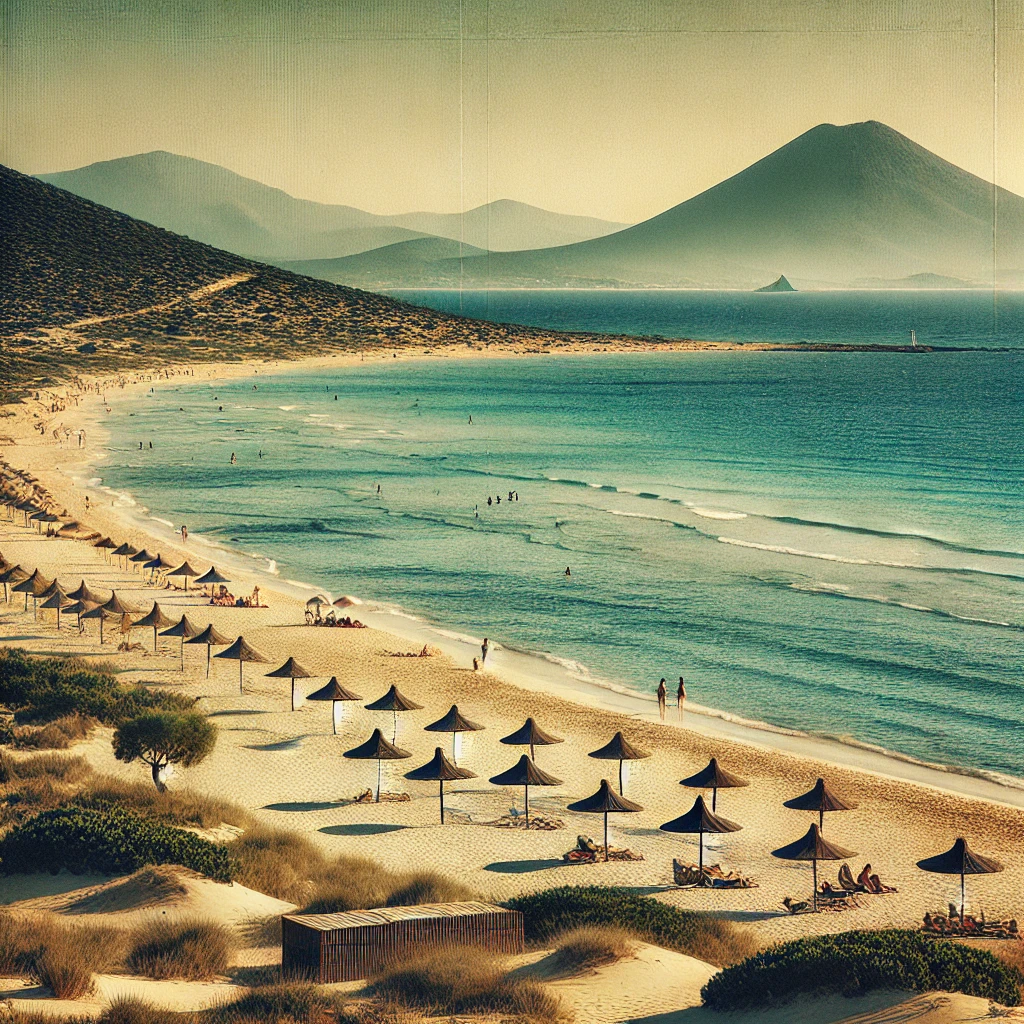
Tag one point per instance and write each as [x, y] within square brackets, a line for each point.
[855, 962]
[111, 842]
[188, 948]
[40, 690]
[551, 911]
[162, 738]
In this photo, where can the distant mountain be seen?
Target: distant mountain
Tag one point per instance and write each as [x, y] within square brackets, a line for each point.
[937, 281]
[214, 205]
[403, 264]
[836, 204]
[86, 289]
[781, 285]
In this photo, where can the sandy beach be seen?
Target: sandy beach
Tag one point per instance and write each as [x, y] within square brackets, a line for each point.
[287, 768]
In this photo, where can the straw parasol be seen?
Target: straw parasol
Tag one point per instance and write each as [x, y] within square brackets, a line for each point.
[141, 557]
[104, 544]
[36, 585]
[95, 611]
[336, 694]
[813, 847]
[454, 722]
[211, 576]
[292, 670]
[960, 860]
[618, 748]
[75, 608]
[242, 651]
[696, 821]
[605, 801]
[714, 777]
[532, 735]
[185, 570]
[211, 638]
[57, 601]
[440, 770]
[124, 551]
[83, 593]
[394, 701]
[11, 575]
[821, 799]
[158, 562]
[117, 607]
[183, 629]
[155, 618]
[53, 588]
[526, 774]
[376, 748]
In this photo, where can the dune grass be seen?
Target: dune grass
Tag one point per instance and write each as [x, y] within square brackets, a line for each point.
[186, 948]
[457, 981]
[584, 948]
[551, 912]
[56, 735]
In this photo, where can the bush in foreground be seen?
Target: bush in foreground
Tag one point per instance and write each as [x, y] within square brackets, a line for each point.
[454, 981]
[855, 962]
[552, 911]
[109, 842]
[187, 948]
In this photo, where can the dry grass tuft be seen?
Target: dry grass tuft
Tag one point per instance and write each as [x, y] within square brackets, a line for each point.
[56, 735]
[456, 981]
[65, 970]
[426, 887]
[587, 947]
[24, 940]
[189, 948]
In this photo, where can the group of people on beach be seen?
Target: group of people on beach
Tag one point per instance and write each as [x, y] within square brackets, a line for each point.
[663, 697]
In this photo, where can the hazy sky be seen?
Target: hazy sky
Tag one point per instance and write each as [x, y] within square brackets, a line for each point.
[613, 108]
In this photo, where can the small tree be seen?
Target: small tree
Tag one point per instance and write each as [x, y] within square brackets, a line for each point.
[164, 738]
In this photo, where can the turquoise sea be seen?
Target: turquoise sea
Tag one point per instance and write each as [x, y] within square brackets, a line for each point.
[832, 542]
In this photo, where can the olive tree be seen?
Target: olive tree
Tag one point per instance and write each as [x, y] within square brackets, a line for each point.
[164, 738]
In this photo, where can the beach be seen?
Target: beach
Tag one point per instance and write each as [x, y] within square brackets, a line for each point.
[287, 768]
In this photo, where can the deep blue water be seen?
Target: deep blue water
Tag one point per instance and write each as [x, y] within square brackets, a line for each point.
[833, 542]
[974, 319]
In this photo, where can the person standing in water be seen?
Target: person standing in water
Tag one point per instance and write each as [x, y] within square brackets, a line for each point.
[484, 649]
[568, 574]
[662, 693]
[233, 459]
[680, 697]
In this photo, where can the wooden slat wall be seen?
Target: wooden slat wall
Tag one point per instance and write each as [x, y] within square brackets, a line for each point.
[348, 954]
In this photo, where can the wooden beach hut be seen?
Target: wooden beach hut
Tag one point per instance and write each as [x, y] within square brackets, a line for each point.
[326, 948]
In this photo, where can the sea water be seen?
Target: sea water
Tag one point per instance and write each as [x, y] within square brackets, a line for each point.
[831, 542]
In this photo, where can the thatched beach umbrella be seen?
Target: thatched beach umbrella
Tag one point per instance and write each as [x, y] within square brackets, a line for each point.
[605, 801]
[95, 611]
[813, 847]
[531, 735]
[960, 860]
[242, 651]
[696, 821]
[376, 748]
[35, 585]
[45, 517]
[337, 695]
[124, 551]
[819, 798]
[75, 608]
[57, 601]
[104, 544]
[618, 748]
[84, 593]
[158, 562]
[185, 570]
[141, 558]
[526, 774]
[292, 670]
[117, 607]
[53, 588]
[11, 575]
[714, 777]
[394, 701]
[155, 618]
[212, 576]
[440, 770]
[454, 722]
[211, 638]
[183, 629]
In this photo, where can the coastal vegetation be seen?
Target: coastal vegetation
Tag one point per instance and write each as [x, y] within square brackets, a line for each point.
[164, 738]
[852, 963]
[553, 912]
[588, 946]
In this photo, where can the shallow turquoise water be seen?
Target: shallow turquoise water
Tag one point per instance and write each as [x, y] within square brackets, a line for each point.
[833, 542]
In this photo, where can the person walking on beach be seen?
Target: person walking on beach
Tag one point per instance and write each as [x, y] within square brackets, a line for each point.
[484, 648]
[662, 692]
[184, 534]
[680, 697]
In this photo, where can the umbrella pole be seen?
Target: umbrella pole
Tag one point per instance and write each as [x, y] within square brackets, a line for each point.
[526, 801]
[154, 639]
[334, 726]
[606, 835]
[814, 875]
[394, 731]
[58, 618]
[181, 652]
[962, 900]
[293, 693]
[454, 756]
[620, 779]
[101, 629]
[209, 647]
[714, 799]
[240, 690]
[378, 781]
[700, 855]
[440, 788]
[821, 819]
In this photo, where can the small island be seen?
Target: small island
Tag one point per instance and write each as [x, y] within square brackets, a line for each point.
[781, 285]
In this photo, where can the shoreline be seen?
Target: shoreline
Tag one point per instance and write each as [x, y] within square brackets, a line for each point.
[528, 669]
